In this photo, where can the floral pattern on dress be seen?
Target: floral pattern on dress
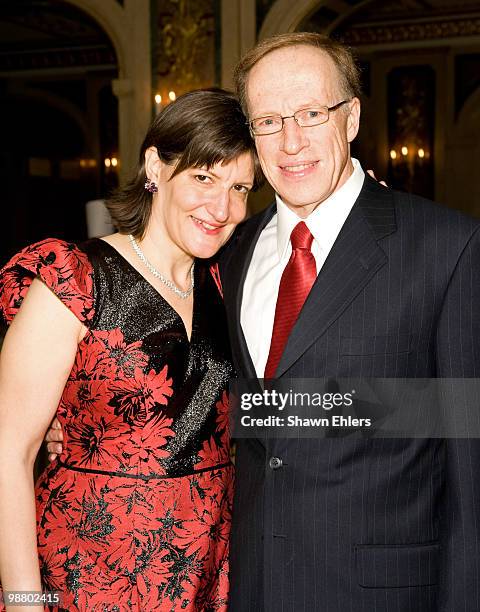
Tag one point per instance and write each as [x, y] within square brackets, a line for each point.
[60, 265]
[135, 514]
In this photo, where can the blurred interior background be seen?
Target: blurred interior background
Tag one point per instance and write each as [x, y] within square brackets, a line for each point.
[80, 81]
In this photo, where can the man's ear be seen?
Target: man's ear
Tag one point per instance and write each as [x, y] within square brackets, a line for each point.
[152, 164]
[353, 119]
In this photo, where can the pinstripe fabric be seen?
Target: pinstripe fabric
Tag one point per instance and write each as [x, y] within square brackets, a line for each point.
[385, 525]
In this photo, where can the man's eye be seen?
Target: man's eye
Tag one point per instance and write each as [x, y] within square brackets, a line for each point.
[313, 114]
[267, 121]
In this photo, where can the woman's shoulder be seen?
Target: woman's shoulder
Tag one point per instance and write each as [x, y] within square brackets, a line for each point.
[64, 267]
[53, 252]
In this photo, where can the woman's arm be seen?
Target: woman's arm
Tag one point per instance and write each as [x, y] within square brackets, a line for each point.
[36, 359]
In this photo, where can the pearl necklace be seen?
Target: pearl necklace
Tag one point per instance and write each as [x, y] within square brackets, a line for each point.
[166, 281]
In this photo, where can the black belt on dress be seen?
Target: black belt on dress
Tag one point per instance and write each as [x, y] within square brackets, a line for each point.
[142, 476]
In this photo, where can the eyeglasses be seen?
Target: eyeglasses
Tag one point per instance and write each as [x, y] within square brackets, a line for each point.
[306, 117]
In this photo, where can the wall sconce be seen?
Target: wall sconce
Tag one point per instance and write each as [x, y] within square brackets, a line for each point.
[409, 163]
[158, 103]
[158, 99]
[110, 163]
[88, 163]
[407, 155]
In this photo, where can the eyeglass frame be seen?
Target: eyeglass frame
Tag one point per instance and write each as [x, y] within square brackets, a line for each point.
[329, 109]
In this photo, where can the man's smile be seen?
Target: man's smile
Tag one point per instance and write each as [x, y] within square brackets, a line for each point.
[299, 169]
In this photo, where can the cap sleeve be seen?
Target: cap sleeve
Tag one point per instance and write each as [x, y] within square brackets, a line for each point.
[62, 266]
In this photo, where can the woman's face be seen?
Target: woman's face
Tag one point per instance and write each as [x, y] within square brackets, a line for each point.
[198, 209]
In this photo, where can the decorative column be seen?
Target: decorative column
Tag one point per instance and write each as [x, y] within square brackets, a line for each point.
[238, 34]
[134, 87]
[127, 130]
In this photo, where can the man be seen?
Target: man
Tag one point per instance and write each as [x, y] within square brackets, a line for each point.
[379, 284]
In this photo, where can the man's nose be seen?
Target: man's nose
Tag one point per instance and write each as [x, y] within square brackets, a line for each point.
[294, 137]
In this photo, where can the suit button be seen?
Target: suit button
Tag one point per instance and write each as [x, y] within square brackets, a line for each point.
[275, 463]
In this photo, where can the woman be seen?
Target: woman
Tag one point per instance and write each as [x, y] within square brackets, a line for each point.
[125, 340]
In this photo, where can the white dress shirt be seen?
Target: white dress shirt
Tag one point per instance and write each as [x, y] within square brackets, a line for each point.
[272, 253]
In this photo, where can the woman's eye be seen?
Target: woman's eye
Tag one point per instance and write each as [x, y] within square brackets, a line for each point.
[241, 188]
[202, 178]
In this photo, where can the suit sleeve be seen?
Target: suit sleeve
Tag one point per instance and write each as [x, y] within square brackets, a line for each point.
[458, 356]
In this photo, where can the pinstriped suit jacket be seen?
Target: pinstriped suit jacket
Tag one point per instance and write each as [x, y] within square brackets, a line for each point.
[385, 525]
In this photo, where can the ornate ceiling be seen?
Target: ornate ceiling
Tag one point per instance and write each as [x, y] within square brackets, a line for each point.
[387, 21]
[381, 10]
[36, 34]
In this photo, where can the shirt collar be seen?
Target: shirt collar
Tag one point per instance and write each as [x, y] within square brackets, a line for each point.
[327, 219]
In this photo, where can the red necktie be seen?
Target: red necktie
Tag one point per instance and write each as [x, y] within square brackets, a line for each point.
[297, 280]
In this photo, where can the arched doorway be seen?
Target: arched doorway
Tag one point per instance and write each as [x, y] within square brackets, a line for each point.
[127, 23]
[55, 61]
[287, 16]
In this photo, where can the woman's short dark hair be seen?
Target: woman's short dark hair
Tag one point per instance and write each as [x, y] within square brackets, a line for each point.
[200, 129]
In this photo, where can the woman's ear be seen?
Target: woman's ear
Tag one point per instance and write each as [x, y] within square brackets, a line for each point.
[152, 164]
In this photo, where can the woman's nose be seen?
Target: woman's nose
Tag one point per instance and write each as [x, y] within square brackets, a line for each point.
[219, 206]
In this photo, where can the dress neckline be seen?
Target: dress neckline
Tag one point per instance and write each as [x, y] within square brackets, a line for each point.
[157, 293]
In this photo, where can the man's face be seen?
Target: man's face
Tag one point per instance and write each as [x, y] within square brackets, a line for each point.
[303, 165]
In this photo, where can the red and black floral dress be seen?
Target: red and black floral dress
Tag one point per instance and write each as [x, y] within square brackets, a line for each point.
[135, 514]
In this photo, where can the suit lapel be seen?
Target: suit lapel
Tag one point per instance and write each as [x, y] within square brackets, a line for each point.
[233, 282]
[354, 259]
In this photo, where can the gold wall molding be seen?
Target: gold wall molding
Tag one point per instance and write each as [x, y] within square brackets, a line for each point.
[406, 32]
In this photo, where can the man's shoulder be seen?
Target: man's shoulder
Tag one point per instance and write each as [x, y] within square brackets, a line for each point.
[410, 208]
